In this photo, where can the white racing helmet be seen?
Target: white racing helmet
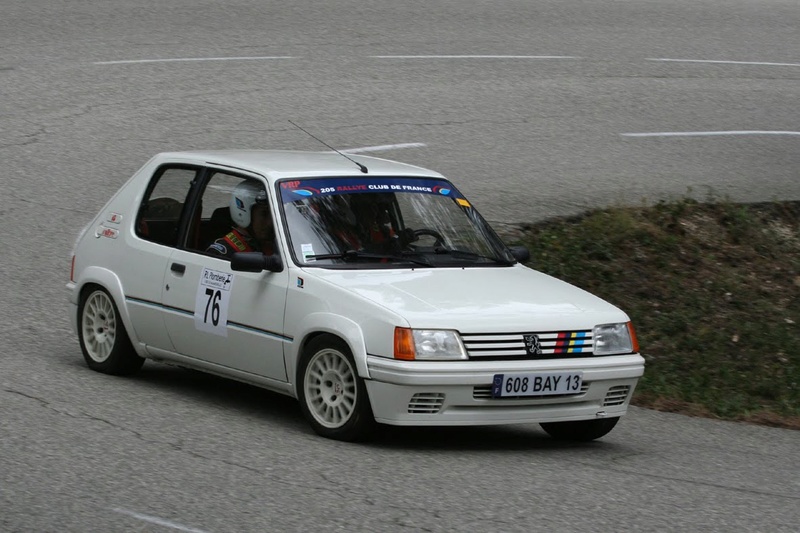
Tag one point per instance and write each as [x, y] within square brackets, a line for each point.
[244, 197]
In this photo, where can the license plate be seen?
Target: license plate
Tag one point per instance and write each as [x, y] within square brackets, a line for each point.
[539, 384]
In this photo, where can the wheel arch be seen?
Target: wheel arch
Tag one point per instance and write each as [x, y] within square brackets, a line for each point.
[316, 324]
[103, 278]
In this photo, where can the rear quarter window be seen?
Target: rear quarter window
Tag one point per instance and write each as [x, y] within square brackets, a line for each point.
[159, 216]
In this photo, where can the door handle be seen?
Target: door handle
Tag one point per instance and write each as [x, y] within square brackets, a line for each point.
[177, 267]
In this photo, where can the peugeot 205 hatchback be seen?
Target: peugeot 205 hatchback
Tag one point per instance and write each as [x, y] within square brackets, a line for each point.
[370, 290]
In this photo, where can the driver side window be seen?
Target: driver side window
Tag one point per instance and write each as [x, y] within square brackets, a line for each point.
[213, 222]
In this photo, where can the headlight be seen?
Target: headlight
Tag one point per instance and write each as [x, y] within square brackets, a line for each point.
[610, 339]
[428, 344]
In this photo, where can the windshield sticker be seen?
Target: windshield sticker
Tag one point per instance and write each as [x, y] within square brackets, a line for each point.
[307, 250]
[300, 189]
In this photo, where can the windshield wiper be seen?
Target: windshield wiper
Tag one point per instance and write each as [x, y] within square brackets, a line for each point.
[463, 254]
[355, 255]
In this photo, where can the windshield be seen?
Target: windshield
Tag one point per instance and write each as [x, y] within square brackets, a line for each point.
[386, 222]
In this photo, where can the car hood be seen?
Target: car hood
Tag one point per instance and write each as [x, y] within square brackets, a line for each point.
[510, 299]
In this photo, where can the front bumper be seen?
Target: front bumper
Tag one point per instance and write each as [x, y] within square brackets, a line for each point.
[423, 393]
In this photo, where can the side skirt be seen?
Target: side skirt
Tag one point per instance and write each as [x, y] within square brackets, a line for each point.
[171, 358]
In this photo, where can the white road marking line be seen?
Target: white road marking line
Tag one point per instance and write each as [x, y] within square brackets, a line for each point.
[179, 59]
[708, 133]
[158, 521]
[725, 62]
[265, 58]
[382, 147]
[474, 57]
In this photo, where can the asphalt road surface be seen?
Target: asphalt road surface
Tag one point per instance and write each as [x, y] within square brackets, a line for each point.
[535, 109]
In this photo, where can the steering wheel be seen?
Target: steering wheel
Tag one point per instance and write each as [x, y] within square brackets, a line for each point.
[439, 240]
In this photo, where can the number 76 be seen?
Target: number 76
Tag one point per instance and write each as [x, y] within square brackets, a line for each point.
[213, 302]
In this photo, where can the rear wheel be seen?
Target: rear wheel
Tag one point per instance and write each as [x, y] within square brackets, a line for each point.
[332, 396]
[104, 342]
[580, 430]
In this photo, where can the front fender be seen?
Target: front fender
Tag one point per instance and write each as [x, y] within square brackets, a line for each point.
[344, 328]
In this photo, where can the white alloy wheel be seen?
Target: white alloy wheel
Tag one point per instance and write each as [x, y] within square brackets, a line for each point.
[333, 397]
[104, 342]
[99, 323]
[330, 388]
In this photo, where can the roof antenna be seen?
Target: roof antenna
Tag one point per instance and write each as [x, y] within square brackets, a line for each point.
[360, 166]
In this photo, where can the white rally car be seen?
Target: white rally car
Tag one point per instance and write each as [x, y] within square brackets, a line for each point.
[370, 290]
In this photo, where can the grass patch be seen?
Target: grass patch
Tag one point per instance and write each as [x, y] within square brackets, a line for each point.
[713, 290]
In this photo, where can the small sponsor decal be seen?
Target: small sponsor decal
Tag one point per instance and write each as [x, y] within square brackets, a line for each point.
[462, 202]
[307, 250]
[216, 279]
[219, 248]
[115, 218]
[290, 184]
[299, 283]
[110, 233]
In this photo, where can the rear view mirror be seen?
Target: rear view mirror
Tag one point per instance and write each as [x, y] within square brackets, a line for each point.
[256, 262]
[520, 253]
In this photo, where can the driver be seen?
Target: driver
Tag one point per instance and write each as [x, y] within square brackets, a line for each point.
[379, 224]
[373, 224]
[254, 230]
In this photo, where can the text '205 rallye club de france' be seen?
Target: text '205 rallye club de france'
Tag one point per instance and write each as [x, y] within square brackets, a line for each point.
[370, 290]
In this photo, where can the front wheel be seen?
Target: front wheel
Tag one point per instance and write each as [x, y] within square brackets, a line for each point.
[580, 430]
[104, 342]
[332, 396]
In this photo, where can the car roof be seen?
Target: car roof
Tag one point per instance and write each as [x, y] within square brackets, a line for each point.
[278, 164]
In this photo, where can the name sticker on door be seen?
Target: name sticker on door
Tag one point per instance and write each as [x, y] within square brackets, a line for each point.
[211, 304]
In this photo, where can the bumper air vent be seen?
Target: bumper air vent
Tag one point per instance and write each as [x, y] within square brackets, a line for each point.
[616, 395]
[426, 403]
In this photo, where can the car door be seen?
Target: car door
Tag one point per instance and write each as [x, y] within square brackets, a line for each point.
[152, 241]
[233, 320]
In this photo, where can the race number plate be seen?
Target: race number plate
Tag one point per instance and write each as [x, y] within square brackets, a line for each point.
[538, 384]
[211, 302]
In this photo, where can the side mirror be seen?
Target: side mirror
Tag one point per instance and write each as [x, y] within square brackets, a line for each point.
[520, 253]
[256, 262]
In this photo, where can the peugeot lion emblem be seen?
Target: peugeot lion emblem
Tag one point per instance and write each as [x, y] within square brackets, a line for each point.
[532, 344]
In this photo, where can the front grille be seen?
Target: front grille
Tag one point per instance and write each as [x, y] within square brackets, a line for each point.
[426, 403]
[535, 345]
[484, 392]
[616, 395]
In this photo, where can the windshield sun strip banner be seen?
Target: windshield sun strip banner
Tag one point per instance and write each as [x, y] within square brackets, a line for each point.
[293, 190]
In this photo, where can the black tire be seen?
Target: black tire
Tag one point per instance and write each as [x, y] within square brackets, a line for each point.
[104, 342]
[580, 430]
[332, 396]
